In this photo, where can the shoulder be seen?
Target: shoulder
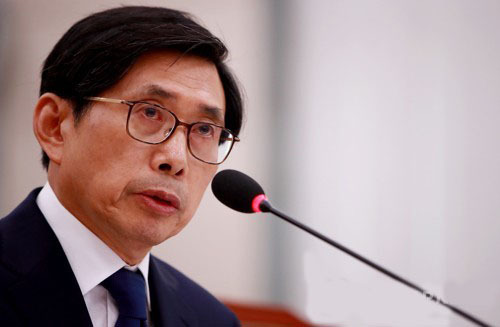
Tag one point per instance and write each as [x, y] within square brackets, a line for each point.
[17, 257]
[26, 241]
[17, 220]
[204, 305]
[25, 236]
[16, 229]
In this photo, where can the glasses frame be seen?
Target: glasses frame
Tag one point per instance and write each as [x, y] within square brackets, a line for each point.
[178, 123]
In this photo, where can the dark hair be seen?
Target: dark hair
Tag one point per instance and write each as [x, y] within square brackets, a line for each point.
[96, 52]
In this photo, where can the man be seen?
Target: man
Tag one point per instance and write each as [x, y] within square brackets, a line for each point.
[136, 110]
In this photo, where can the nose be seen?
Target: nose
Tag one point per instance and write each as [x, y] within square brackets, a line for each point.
[171, 156]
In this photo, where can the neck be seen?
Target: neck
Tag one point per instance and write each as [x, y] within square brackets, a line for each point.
[130, 252]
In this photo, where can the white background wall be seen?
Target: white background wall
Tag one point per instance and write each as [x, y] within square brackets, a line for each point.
[385, 138]
[392, 147]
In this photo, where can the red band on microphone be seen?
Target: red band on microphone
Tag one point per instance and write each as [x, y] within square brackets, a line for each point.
[257, 201]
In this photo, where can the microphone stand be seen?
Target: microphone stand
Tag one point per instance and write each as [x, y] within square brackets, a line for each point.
[265, 206]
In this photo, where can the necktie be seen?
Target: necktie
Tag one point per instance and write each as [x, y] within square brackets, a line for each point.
[129, 291]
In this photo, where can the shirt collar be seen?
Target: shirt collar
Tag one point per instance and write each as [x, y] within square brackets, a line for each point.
[91, 260]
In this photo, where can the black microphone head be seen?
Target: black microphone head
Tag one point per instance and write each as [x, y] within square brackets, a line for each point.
[236, 190]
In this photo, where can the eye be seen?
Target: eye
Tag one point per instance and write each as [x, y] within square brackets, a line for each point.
[151, 112]
[204, 129]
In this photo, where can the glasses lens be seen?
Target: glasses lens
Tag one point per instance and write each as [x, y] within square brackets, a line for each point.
[149, 123]
[210, 143]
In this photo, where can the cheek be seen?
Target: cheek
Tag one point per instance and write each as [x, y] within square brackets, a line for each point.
[104, 160]
[113, 168]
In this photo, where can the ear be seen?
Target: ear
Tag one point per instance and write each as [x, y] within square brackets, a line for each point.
[52, 116]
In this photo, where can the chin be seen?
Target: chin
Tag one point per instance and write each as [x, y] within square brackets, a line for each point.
[152, 236]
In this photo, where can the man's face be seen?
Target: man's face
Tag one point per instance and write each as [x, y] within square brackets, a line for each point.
[132, 193]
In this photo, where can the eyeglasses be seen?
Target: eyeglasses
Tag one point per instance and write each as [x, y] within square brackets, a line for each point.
[153, 124]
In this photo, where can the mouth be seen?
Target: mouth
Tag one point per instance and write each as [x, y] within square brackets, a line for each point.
[160, 201]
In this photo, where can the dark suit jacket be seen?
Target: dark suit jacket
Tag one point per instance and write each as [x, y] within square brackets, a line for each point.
[38, 287]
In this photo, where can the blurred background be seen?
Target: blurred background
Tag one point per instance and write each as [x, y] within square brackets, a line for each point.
[375, 122]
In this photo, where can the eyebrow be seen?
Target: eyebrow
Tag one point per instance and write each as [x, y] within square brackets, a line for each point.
[211, 111]
[154, 89]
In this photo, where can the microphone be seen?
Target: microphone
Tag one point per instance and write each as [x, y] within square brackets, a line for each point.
[238, 191]
[242, 193]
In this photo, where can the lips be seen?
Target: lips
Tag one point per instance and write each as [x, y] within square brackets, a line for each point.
[160, 201]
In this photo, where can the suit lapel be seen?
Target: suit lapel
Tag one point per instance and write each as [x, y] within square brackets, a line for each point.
[45, 292]
[168, 308]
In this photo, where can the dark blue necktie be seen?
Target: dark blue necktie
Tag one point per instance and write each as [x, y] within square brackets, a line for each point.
[129, 291]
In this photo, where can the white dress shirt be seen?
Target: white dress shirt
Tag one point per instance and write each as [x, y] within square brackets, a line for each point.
[91, 260]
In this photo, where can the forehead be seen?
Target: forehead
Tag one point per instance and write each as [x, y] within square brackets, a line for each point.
[189, 81]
